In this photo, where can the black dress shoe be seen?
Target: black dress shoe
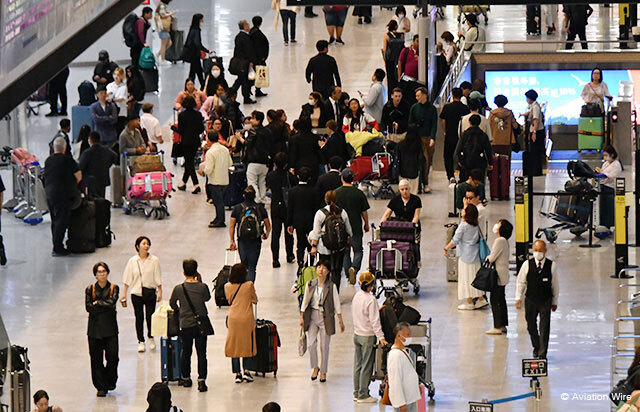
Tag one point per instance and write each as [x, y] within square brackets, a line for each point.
[202, 387]
[367, 20]
[331, 39]
[196, 190]
[291, 259]
[276, 264]
[182, 188]
[261, 94]
[101, 394]
[249, 101]
[112, 387]
[339, 40]
[359, 20]
[310, 15]
[186, 383]
[59, 253]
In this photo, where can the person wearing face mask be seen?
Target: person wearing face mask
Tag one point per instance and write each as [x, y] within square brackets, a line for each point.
[500, 256]
[610, 170]
[316, 110]
[215, 78]
[404, 384]
[404, 23]
[538, 282]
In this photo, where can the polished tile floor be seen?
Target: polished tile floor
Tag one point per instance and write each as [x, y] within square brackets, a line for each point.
[41, 298]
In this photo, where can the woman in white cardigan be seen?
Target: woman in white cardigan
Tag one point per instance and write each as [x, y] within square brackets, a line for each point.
[500, 256]
[404, 384]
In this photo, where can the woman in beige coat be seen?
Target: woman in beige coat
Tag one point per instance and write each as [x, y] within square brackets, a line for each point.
[240, 342]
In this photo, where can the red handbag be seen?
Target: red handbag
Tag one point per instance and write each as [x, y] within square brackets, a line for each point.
[203, 55]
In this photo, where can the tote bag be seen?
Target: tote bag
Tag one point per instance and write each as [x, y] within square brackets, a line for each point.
[262, 77]
[483, 248]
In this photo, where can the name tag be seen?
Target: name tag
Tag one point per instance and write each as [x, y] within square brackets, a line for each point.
[545, 279]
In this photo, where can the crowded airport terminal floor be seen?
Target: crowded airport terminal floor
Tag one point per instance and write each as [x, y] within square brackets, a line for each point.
[42, 297]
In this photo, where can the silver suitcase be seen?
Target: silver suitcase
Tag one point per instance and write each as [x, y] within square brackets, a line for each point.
[117, 186]
[20, 391]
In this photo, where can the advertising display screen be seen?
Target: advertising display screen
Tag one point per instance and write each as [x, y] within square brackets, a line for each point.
[561, 89]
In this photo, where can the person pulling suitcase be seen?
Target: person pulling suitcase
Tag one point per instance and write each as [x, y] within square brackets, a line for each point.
[504, 128]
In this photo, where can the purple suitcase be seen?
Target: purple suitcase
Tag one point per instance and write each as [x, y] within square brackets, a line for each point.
[407, 250]
[397, 230]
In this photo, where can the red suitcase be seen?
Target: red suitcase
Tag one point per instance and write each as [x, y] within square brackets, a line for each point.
[500, 177]
[362, 167]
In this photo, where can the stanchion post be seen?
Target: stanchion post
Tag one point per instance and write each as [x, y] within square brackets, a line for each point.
[621, 238]
[522, 221]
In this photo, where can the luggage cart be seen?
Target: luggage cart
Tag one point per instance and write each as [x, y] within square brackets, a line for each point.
[377, 182]
[148, 205]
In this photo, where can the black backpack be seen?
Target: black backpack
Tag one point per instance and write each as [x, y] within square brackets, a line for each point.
[250, 224]
[472, 150]
[335, 234]
[394, 48]
[218, 286]
[87, 92]
[129, 31]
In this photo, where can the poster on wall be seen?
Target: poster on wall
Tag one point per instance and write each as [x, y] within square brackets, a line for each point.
[560, 89]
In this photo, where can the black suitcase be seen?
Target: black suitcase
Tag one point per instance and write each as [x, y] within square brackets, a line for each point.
[267, 342]
[237, 183]
[81, 235]
[222, 279]
[150, 77]
[177, 44]
[533, 19]
[103, 222]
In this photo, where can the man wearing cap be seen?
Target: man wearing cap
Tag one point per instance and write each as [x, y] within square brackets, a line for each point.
[103, 72]
[131, 140]
[105, 117]
[536, 132]
[351, 199]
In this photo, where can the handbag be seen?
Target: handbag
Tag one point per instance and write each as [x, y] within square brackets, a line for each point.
[262, 77]
[203, 321]
[483, 247]
[486, 278]
[302, 342]
[238, 66]
[147, 60]
[623, 389]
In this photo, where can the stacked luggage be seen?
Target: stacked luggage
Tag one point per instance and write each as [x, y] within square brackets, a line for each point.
[148, 185]
[590, 133]
[90, 226]
[373, 174]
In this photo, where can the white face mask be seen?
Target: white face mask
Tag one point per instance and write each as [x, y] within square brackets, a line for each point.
[246, 126]
[408, 341]
[312, 102]
[400, 16]
[215, 73]
[606, 158]
[495, 228]
[538, 256]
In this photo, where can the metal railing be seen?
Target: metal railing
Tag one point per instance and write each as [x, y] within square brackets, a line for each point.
[455, 71]
[552, 46]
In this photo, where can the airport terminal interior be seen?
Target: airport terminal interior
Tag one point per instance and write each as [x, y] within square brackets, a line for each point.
[42, 297]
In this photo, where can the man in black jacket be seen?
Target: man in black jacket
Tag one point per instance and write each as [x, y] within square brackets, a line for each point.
[102, 330]
[65, 129]
[335, 145]
[322, 69]
[335, 105]
[474, 148]
[260, 45]
[395, 114]
[95, 163]
[302, 208]
[245, 52]
[304, 150]
[280, 181]
[330, 180]
[258, 145]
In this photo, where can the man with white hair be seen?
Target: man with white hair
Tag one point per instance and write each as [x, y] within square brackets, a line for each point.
[61, 177]
[405, 206]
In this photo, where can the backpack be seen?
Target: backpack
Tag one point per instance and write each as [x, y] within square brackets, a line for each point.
[250, 224]
[219, 282]
[129, 31]
[335, 234]
[472, 150]
[87, 92]
[394, 48]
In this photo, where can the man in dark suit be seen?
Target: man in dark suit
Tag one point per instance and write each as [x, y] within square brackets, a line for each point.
[303, 204]
[335, 105]
[95, 163]
[245, 51]
[304, 150]
[322, 69]
[330, 180]
[335, 145]
[280, 182]
[260, 45]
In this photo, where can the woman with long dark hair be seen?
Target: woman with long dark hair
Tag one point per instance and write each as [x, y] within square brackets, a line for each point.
[136, 90]
[410, 158]
[392, 46]
[193, 49]
[356, 119]
[190, 127]
[596, 90]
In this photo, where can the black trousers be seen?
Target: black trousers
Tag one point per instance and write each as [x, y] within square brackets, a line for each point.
[449, 151]
[336, 260]
[189, 154]
[539, 339]
[278, 223]
[533, 161]
[60, 213]
[104, 377]
[243, 81]
[499, 308]
[143, 308]
[135, 55]
[579, 32]
[195, 69]
[189, 336]
[302, 243]
[58, 89]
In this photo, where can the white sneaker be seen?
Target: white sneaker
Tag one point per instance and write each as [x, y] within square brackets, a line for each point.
[152, 344]
[141, 347]
[466, 306]
[494, 331]
[480, 303]
[369, 399]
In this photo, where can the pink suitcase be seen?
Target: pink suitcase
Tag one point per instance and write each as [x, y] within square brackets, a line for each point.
[151, 185]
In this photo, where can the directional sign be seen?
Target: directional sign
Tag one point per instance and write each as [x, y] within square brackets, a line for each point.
[534, 368]
[480, 407]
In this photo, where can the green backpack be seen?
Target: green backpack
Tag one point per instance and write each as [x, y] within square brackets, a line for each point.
[147, 60]
[305, 275]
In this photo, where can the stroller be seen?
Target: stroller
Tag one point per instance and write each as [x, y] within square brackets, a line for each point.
[372, 175]
[394, 256]
[570, 208]
[148, 185]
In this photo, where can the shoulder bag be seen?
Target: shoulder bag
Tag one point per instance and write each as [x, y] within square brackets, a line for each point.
[203, 321]
[385, 400]
[623, 389]
[483, 247]
[486, 278]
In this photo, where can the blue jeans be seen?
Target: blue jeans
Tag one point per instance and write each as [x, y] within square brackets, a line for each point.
[249, 251]
[235, 364]
[288, 19]
[356, 247]
[363, 358]
[217, 195]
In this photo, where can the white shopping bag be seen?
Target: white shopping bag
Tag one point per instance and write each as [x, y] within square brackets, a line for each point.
[262, 77]
[160, 320]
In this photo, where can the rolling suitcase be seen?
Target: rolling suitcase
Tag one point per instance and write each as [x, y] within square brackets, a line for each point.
[590, 133]
[407, 250]
[267, 342]
[117, 186]
[398, 230]
[81, 235]
[150, 186]
[222, 279]
[177, 43]
[170, 355]
[451, 200]
[103, 222]
[80, 115]
[150, 77]
[237, 183]
[500, 177]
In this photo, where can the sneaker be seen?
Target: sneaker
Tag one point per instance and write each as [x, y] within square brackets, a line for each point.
[186, 383]
[352, 276]
[286, 43]
[494, 331]
[141, 347]
[152, 344]
[368, 399]
[238, 378]
[504, 330]
[101, 394]
[247, 377]
[202, 387]
[294, 41]
[466, 306]
[331, 39]
[480, 303]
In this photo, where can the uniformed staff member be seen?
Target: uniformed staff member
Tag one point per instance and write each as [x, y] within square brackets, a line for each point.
[538, 282]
